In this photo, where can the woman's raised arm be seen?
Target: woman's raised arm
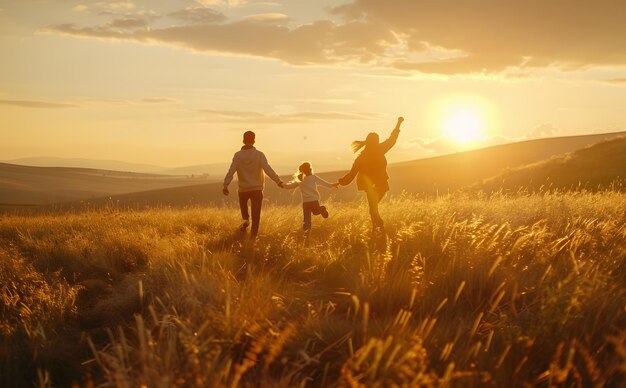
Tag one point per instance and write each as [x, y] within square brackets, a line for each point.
[393, 138]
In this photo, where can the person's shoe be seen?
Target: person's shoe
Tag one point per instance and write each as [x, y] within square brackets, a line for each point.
[244, 225]
[324, 212]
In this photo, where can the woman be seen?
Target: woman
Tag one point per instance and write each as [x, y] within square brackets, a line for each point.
[370, 169]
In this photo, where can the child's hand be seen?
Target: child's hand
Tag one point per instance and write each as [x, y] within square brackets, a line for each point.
[335, 185]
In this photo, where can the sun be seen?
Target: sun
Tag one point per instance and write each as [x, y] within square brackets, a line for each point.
[464, 126]
[465, 120]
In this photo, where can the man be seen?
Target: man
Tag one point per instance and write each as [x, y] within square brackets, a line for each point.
[250, 163]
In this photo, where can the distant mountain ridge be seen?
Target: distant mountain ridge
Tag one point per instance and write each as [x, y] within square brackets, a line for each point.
[432, 176]
[210, 169]
[98, 164]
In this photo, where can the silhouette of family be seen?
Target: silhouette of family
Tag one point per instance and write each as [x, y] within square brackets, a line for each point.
[369, 168]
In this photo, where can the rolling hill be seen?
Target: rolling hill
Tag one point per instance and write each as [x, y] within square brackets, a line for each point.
[97, 164]
[447, 173]
[25, 185]
[211, 169]
[596, 166]
[432, 176]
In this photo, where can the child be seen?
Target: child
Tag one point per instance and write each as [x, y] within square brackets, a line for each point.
[307, 182]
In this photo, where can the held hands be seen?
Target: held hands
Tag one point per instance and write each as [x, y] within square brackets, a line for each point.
[281, 184]
[335, 185]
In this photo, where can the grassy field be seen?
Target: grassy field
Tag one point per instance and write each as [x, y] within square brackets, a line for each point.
[495, 291]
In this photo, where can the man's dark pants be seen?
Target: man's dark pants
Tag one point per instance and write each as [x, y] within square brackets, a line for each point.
[256, 199]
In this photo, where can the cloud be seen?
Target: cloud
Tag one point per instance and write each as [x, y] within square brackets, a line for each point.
[128, 23]
[198, 15]
[321, 42]
[267, 17]
[495, 35]
[435, 37]
[148, 100]
[105, 31]
[36, 104]
[330, 101]
[617, 81]
[543, 130]
[119, 5]
[280, 118]
[228, 3]
[607, 130]
[107, 101]
[157, 100]
[80, 8]
[437, 145]
[267, 3]
[443, 145]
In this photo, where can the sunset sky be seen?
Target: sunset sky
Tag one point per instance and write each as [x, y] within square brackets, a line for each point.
[176, 82]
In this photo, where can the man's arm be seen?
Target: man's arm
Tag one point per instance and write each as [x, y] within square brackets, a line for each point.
[269, 171]
[229, 175]
[393, 138]
[291, 185]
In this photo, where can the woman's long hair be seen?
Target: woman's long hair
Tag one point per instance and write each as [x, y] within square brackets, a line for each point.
[371, 140]
[304, 169]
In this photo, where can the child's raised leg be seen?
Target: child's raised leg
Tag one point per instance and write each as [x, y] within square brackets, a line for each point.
[317, 209]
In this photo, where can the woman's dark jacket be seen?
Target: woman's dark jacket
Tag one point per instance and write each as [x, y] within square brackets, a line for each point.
[370, 167]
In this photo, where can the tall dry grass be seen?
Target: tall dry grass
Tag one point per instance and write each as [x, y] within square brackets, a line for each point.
[463, 290]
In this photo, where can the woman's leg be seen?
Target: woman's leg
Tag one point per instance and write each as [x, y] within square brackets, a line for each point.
[373, 198]
[381, 189]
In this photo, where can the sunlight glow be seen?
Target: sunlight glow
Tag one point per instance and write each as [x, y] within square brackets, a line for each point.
[464, 126]
[466, 120]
